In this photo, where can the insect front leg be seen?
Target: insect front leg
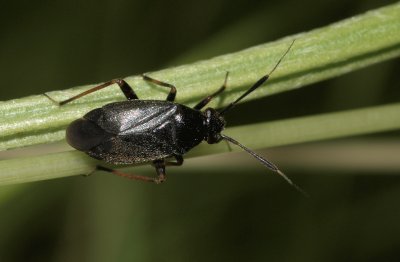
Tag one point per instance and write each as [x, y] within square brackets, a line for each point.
[172, 93]
[207, 99]
[124, 86]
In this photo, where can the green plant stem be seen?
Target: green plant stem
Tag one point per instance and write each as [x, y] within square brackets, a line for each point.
[319, 54]
[282, 132]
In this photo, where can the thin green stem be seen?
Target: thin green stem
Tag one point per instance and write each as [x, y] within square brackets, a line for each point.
[319, 54]
[282, 132]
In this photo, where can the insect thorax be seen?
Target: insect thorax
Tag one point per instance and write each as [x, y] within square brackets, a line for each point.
[214, 124]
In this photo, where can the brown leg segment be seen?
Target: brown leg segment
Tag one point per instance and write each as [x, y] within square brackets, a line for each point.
[131, 176]
[158, 164]
[125, 88]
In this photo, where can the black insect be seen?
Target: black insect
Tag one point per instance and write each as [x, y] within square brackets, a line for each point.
[136, 131]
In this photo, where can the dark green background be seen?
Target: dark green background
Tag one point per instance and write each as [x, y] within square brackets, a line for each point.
[201, 214]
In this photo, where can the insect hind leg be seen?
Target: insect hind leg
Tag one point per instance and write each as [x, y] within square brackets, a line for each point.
[156, 180]
[124, 86]
[160, 169]
[158, 164]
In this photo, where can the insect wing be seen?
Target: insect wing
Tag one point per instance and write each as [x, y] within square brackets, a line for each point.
[137, 116]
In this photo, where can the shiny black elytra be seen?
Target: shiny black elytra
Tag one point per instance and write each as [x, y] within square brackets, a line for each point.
[136, 131]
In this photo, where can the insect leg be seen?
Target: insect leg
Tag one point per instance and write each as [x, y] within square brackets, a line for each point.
[125, 88]
[172, 92]
[206, 100]
[160, 169]
[179, 161]
[130, 176]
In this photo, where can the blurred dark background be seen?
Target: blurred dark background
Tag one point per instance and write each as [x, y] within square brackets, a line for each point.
[209, 209]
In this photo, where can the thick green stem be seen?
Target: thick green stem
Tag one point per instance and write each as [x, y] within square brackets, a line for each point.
[319, 54]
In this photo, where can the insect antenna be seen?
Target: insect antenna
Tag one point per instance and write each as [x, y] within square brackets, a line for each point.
[266, 163]
[257, 84]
